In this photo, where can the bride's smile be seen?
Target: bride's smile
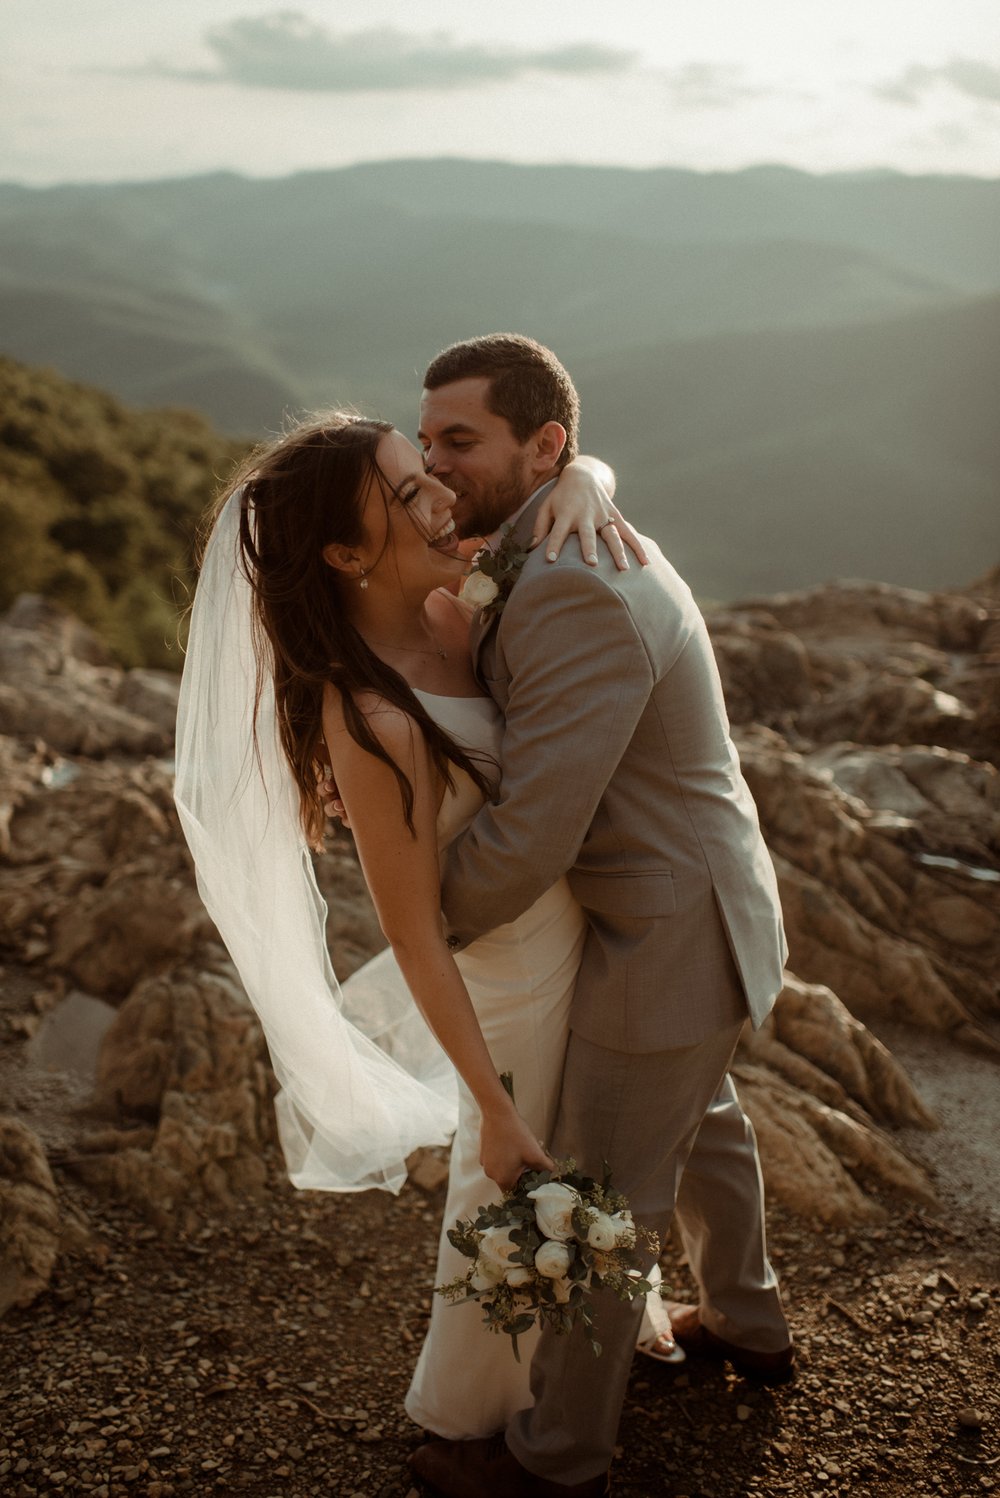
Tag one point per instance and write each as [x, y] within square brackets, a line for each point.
[407, 517]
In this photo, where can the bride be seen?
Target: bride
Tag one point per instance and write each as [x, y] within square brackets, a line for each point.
[326, 631]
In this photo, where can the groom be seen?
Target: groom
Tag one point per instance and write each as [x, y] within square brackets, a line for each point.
[618, 770]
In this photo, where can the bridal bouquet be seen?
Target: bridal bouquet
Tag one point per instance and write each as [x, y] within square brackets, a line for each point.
[538, 1255]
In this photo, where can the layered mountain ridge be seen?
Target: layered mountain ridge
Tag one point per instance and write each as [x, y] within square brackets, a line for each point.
[795, 376]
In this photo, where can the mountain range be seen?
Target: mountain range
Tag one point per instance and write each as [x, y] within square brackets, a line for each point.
[795, 376]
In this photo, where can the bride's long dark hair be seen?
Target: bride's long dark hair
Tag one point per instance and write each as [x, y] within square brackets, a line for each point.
[298, 495]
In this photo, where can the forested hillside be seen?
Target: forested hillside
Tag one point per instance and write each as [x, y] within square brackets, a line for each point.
[99, 506]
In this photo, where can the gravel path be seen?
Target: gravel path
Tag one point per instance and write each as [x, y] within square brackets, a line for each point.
[963, 1089]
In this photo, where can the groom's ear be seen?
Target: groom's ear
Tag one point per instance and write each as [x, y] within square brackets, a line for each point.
[549, 442]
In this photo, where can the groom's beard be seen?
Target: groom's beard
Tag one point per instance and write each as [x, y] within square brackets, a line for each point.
[483, 513]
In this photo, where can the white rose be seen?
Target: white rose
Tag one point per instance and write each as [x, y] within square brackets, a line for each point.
[480, 590]
[485, 1276]
[552, 1260]
[554, 1208]
[624, 1228]
[497, 1249]
[602, 1233]
[518, 1274]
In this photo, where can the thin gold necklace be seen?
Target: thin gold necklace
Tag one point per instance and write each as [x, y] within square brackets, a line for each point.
[433, 649]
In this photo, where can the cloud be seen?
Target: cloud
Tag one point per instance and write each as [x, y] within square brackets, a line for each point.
[286, 50]
[966, 75]
[706, 85]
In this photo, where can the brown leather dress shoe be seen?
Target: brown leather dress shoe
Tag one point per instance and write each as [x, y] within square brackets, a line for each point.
[698, 1342]
[488, 1469]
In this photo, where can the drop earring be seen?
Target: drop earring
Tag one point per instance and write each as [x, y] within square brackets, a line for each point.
[362, 580]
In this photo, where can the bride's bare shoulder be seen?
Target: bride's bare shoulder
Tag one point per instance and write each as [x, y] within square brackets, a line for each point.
[392, 725]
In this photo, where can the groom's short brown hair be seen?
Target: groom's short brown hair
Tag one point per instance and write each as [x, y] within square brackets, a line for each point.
[528, 386]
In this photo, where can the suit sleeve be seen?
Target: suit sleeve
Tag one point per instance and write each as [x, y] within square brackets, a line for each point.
[580, 680]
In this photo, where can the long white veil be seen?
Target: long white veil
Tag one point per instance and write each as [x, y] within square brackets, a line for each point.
[363, 1082]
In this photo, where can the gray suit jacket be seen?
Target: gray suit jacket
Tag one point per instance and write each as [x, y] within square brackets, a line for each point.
[619, 771]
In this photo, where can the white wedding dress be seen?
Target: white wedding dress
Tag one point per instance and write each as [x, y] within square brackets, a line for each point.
[520, 978]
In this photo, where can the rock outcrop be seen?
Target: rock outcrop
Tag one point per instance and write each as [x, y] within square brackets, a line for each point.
[884, 907]
[866, 720]
[29, 1215]
[58, 685]
[183, 1070]
[817, 1084]
[868, 663]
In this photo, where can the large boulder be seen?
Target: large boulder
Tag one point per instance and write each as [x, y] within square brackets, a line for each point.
[813, 1041]
[876, 613]
[29, 1215]
[866, 662]
[185, 1066]
[820, 1161]
[766, 672]
[817, 1085]
[95, 877]
[881, 903]
[45, 626]
[114, 934]
[150, 695]
[59, 686]
[81, 720]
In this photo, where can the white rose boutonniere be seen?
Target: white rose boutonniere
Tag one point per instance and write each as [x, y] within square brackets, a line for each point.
[496, 570]
[480, 590]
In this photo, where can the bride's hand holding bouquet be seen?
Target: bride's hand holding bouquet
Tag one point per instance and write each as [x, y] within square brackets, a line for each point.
[537, 1256]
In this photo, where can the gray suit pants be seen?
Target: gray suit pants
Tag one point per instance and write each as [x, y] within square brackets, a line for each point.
[636, 1112]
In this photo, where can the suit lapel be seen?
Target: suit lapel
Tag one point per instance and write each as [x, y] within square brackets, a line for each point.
[485, 621]
[479, 630]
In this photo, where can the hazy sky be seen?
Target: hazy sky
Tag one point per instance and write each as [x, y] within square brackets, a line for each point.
[107, 89]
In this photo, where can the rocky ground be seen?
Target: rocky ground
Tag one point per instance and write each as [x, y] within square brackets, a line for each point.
[268, 1353]
[174, 1319]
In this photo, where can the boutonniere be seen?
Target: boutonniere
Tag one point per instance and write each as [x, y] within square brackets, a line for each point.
[491, 581]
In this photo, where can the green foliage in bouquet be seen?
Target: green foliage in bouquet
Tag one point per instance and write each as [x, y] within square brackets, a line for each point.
[538, 1255]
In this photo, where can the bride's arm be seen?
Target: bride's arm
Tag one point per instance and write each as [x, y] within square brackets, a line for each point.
[400, 866]
[581, 503]
[601, 471]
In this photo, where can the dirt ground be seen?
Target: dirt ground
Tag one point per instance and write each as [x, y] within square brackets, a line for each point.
[267, 1354]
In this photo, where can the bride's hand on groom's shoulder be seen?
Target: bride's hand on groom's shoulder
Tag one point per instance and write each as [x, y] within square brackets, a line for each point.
[581, 505]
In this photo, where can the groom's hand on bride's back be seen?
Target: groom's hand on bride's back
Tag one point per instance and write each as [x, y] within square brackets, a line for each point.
[329, 796]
